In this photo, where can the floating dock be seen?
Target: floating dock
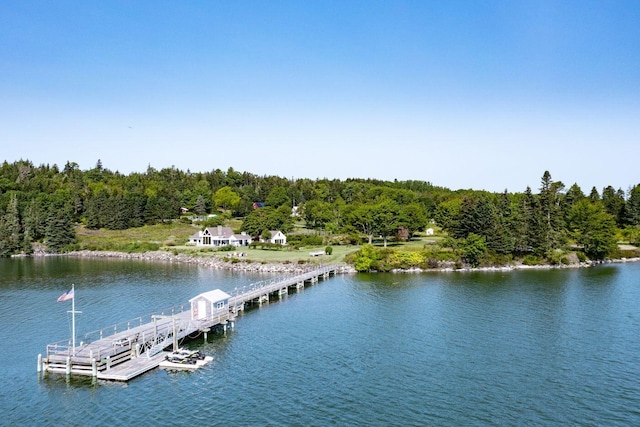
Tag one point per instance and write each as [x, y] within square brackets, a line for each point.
[124, 351]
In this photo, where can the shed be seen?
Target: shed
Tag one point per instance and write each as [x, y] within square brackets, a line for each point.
[209, 304]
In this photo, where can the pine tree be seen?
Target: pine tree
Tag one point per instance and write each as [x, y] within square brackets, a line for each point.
[60, 232]
[201, 206]
[549, 202]
[12, 225]
[5, 249]
[593, 228]
[500, 239]
[632, 207]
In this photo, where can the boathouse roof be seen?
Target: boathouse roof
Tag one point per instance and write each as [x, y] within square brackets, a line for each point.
[213, 296]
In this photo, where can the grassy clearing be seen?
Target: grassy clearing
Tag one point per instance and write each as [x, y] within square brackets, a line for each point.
[167, 234]
[173, 237]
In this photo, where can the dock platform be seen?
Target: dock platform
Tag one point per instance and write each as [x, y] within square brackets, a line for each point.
[126, 350]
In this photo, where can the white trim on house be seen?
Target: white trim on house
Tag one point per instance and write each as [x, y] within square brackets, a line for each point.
[219, 236]
[277, 238]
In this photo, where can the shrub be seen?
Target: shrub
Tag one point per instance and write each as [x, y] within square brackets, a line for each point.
[432, 263]
[581, 256]
[531, 260]
[328, 250]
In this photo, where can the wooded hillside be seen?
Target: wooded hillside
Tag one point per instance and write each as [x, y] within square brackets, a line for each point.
[43, 203]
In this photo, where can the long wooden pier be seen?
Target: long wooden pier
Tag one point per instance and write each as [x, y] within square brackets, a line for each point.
[126, 350]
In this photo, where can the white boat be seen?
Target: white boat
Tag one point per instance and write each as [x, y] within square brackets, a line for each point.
[183, 359]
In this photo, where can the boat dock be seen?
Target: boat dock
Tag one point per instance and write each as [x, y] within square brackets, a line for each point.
[124, 351]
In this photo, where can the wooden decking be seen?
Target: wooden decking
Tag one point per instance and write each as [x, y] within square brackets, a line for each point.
[126, 350]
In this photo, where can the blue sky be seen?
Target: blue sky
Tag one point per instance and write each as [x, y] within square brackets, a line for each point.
[464, 94]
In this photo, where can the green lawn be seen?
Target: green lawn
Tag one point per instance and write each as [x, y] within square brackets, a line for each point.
[162, 234]
[268, 256]
[174, 236]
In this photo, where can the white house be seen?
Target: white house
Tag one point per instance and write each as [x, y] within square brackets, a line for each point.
[209, 304]
[277, 238]
[219, 236]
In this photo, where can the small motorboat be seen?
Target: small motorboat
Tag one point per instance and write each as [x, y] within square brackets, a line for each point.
[184, 359]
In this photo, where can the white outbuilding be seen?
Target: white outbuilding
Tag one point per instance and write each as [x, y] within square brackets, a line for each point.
[209, 304]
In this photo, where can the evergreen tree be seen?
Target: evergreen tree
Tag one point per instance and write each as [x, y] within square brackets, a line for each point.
[474, 249]
[12, 225]
[572, 196]
[549, 205]
[96, 212]
[519, 222]
[593, 228]
[35, 219]
[201, 206]
[614, 202]
[60, 231]
[500, 239]
[537, 231]
[632, 207]
[5, 247]
[476, 216]
[27, 242]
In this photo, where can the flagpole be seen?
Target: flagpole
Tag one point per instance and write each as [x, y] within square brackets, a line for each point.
[73, 319]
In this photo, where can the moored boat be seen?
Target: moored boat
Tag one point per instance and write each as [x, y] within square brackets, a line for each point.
[183, 359]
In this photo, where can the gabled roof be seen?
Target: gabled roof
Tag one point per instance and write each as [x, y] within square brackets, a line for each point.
[213, 296]
[240, 236]
[224, 231]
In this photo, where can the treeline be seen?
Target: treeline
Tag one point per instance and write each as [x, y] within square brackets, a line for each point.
[41, 204]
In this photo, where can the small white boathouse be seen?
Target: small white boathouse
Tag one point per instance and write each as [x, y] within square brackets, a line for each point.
[209, 304]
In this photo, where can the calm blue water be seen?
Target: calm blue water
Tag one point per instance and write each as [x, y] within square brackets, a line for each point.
[520, 348]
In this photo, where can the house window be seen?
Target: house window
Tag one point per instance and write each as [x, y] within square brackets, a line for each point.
[219, 305]
[206, 240]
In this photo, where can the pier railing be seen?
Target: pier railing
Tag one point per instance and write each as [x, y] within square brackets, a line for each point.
[241, 295]
[304, 274]
[65, 346]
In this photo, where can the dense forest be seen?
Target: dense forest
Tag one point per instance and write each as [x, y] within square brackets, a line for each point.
[42, 205]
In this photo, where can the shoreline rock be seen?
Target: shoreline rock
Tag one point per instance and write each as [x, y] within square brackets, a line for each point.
[216, 262]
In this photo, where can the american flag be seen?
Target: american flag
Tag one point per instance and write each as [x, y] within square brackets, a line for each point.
[66, 296]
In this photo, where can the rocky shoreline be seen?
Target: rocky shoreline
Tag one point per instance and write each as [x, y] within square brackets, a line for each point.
[214, 261]
[217, 262]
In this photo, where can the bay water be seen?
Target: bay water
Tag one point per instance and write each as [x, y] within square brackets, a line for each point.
[543, 347]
